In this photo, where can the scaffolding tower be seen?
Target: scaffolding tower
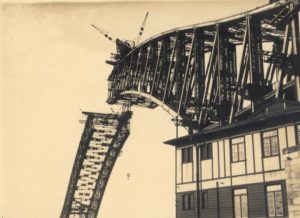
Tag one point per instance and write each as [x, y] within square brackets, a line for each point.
[101, 142]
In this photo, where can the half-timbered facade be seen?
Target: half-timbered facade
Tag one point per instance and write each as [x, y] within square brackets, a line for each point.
[238, 170]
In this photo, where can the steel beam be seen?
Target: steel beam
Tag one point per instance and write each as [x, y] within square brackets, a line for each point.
[185, 85]
[171, 64]
[156, 67]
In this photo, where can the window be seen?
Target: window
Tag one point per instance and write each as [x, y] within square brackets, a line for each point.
[188, 202]
[187, 155]
[274, 199]
[204, 200]
[237, 149]
[298, 134]
[206, 151]
[270, 143]
[240, 203]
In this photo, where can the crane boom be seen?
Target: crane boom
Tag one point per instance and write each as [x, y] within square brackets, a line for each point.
[123, 46]
[141, 30]
[105, 34]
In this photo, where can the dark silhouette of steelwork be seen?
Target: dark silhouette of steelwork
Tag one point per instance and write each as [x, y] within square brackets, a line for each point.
[206, 75]
[215, 73]
[101, 142]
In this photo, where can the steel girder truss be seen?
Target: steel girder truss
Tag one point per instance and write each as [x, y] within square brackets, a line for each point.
[198, 73]
[101, 142]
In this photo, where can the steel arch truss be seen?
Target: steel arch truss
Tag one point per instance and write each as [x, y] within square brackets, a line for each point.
[209, 73]
[102, 140]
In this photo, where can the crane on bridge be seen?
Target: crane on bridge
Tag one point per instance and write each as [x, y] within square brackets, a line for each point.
[123, 46]
[193, 71]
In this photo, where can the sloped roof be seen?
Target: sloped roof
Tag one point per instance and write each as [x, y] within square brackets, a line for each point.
[276, 112]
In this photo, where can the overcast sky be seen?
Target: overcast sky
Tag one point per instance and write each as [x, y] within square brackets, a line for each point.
[52, 68]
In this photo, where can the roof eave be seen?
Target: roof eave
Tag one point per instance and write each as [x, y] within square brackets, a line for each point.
[247, 125]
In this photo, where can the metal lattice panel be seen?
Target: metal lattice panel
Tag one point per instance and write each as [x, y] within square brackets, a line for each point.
[194, 71]
[101, 142]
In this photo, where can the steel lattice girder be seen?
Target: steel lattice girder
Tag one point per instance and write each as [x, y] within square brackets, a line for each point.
[194, 70]
[101, 142]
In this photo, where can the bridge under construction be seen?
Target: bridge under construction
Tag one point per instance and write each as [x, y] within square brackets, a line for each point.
[234, 83]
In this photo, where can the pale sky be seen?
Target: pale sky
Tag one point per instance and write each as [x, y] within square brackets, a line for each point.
[52, 68]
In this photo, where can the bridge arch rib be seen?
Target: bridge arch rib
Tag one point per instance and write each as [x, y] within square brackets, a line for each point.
[147, 100]
[194, 71]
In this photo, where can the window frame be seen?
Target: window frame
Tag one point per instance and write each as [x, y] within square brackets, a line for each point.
[207, 150]
[187, 155]
[240, 201]
[238, 149]
[190, 202]
[270, 141]
[297, 133]
[204, 206]
[274, 199]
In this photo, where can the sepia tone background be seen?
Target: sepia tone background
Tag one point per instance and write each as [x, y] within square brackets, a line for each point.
[52, 69]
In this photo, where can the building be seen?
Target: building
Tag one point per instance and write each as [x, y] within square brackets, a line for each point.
[246, 169]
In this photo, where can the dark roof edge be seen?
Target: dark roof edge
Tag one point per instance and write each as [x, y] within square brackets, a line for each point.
[247, 125]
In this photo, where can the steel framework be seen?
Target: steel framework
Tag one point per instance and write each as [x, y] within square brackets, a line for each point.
[102, 140]
[218, 72]
[208, 74]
